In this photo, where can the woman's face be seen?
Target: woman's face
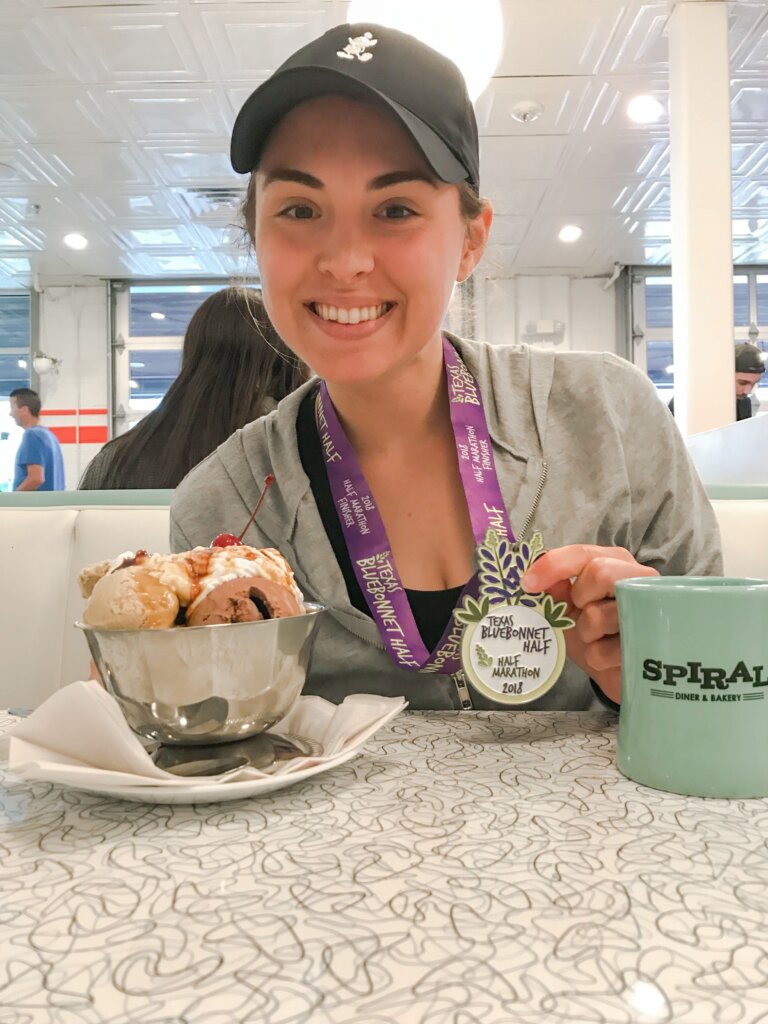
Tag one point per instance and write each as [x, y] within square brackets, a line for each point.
[358, 245]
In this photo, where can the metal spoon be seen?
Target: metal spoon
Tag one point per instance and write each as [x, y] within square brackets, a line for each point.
[209, 766]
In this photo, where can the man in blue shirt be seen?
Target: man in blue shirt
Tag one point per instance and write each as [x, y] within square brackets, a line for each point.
[39, 462]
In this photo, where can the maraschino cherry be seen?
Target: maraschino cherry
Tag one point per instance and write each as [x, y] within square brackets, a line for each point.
[228, 540]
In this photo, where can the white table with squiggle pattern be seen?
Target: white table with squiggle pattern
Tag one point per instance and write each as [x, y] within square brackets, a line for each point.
[468, 867]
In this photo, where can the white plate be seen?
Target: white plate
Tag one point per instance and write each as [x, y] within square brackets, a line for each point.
[215, 792]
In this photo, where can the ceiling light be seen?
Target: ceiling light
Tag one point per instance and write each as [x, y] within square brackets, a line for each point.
[644, 109]
[138, 366]
[526, 111]
[474, 43]
[74, 240]
[133, 384]
[194, 288]
[22, 364]
[570, 233]
[157, 316]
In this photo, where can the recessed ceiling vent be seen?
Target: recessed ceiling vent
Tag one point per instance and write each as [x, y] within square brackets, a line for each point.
[205, 200]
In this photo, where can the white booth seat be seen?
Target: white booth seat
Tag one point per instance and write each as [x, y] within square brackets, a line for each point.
[43, 549]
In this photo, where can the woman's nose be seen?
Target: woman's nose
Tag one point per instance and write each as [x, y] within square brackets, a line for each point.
[346, 256]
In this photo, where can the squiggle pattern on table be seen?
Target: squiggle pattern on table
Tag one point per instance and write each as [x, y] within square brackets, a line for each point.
[480, 868]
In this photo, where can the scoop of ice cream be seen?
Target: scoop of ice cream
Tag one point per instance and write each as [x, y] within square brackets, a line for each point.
[131, 598]
[215, 566]
[244, 600]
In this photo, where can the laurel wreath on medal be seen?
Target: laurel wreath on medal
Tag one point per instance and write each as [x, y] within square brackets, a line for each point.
[501, 566]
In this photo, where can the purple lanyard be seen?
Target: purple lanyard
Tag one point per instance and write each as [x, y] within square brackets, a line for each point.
[364, 532]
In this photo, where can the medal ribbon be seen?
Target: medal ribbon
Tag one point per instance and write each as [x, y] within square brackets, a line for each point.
[366, 537]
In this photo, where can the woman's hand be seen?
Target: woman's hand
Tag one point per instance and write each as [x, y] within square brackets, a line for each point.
[584, 575]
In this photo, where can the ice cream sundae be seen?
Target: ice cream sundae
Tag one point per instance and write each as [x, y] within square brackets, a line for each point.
[204, 586]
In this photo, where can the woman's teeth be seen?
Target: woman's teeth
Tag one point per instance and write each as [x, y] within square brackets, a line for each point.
[353, 315]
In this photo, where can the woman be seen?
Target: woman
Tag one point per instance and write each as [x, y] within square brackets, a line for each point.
[364, 211]
[234, 368]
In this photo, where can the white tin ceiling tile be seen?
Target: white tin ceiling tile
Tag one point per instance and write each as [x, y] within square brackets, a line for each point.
[749, 195]
[508, 230]
[166, 112]
[142, 45]
[513, 158]
[250, 42]
[559, 97]
[228, 237]
[605, 106]
[552, 37]
[749, 106]
[27, 53]
[640, 45]
[614, 157]
[137, 206]
[196, 165]
[748, 158]
[212, 203]
[748, 36]
[92, 163]
[14, 239]
[568, 196]
[239, 264]
[27, 166]
[169, 238]
[645, 197]
[518, 198]
[42, 114]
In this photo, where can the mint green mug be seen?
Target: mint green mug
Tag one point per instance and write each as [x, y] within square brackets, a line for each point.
[694, 684]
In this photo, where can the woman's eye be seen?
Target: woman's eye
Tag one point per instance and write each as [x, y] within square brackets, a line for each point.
[298, 212]
[397, 211]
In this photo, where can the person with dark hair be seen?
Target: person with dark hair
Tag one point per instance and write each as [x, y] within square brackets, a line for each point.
[750, 367]
[234, 368]
[39, 461]
[408, 474]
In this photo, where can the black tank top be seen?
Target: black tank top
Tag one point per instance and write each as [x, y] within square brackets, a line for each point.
[431, 608]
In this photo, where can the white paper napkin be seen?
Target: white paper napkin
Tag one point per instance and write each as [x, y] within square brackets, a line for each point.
[79, 736]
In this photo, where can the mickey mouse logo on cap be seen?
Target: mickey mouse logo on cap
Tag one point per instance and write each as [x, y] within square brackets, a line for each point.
[357, 48]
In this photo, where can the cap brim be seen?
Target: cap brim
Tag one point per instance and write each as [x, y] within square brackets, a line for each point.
[267, 106]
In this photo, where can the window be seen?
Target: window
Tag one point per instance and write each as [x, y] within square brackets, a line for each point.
[15, 361]
[149, 322]
[651, 319]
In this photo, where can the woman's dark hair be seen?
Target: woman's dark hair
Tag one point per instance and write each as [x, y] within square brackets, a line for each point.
[233, 362]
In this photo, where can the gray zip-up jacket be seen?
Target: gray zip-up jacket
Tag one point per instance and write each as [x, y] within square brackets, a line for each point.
[617, 473]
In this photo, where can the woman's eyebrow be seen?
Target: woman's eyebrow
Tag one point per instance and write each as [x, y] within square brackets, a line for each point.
[290, 174]
[380, 182]
[398, 177]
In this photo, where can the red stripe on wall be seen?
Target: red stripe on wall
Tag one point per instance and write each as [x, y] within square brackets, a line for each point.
[66, 435]
[88, 435]
[93, 435]
[73, 412]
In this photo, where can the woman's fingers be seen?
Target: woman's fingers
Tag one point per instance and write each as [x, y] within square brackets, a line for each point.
[567, 563]
[599, 619]
[599, 577]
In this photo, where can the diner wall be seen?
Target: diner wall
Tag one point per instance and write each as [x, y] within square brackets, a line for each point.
[74, 327]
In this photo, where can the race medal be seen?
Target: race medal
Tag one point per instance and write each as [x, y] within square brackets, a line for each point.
[513, 647]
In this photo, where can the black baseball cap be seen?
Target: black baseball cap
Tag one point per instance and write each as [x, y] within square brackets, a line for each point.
[423, 89]
[749, 359]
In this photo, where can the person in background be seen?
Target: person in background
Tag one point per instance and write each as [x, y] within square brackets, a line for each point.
[39, 462]
[364, 210]
[750, 367]
[234, 368]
